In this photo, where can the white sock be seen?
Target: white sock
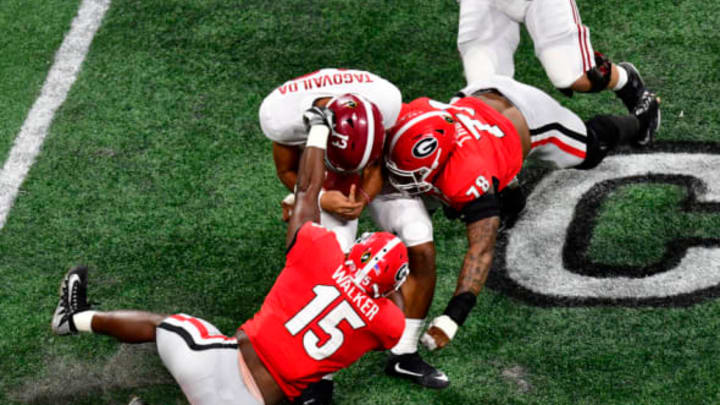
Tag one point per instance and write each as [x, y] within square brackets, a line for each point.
[622, 78]
[83, 321]
[409, 340]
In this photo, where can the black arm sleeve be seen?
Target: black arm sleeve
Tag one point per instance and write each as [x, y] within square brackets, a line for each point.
[486, 206]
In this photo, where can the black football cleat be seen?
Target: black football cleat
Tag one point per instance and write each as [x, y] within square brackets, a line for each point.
[317, 393]
[642, 103]
[633, 90]
[412, 367]
[647, 112]
[73, 299]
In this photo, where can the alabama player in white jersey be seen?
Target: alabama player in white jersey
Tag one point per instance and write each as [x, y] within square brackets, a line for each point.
[489, 34]
[281, 119]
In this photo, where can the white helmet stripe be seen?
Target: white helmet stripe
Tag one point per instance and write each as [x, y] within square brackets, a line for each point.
[371, 131]
[410, 123]
[360, 275]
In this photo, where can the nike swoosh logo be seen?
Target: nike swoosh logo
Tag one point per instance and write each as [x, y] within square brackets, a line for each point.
[309, 401]
[406, 372]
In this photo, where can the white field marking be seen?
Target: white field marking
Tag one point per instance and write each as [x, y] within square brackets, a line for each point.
[61, 77]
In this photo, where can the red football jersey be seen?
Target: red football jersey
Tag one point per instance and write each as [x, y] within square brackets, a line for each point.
[315, 321]
[488, 149]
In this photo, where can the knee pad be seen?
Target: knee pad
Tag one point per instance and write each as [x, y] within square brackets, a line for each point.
[599, 75]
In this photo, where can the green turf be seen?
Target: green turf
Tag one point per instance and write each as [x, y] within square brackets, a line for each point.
[155, 173]
[32, 33]
[658, 221]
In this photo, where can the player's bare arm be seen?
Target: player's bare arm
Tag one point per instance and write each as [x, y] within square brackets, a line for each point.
[311, 172]
[478, 259]
[287, 161]
[473, 275]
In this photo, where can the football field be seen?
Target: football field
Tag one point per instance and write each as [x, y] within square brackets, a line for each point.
[154, 173]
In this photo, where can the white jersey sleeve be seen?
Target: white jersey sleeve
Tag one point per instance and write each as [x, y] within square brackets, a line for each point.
[281, 111]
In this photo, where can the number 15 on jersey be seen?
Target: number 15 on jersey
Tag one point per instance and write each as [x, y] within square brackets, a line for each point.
[325, 295]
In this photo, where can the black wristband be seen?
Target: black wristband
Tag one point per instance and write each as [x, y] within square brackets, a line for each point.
[460, 306]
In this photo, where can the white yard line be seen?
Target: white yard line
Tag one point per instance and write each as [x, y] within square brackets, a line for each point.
[61, 77]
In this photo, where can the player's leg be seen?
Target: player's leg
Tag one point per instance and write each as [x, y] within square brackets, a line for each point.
[408, 218]
[205, 363]
[562, 43]
[487, 40]
[558, 136]
[74, 314]
[345, 231]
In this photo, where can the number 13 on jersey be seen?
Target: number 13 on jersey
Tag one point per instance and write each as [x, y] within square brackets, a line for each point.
[325, 295]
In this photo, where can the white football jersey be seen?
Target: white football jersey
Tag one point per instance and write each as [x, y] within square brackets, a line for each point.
[282, 110]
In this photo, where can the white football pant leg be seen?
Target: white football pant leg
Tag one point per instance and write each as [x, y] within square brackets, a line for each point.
[561, 42]
[487, 40]
[345, 231]
[403, 216]
[203, 361]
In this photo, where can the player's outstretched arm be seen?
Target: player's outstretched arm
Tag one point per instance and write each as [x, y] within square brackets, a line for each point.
[473, 275]
[311, 172]
[286, 160]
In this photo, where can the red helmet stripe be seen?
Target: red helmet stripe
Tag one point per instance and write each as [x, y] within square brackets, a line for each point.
[410, 123]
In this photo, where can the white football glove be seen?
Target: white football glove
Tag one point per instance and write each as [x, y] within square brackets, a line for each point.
[318, 116]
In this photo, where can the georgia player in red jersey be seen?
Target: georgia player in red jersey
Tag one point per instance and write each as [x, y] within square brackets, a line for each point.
[468, 152]
[324, 311]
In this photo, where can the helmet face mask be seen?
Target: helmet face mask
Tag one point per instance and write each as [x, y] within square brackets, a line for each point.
[420, 143]
[412, 182]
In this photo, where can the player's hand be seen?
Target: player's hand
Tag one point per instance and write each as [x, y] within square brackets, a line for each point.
[441, 331]
[434, 338]
[288, 203]
[318, 116]
[343, 206]
[357, 204]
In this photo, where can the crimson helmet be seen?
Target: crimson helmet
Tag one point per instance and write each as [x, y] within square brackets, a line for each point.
[357, 135]
[419, 144]
[378, 263]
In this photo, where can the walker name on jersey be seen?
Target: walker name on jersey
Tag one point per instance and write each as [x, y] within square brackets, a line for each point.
[359, 299]
[326, 80]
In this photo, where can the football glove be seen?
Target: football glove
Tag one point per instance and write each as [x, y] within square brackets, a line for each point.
[318, 116]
